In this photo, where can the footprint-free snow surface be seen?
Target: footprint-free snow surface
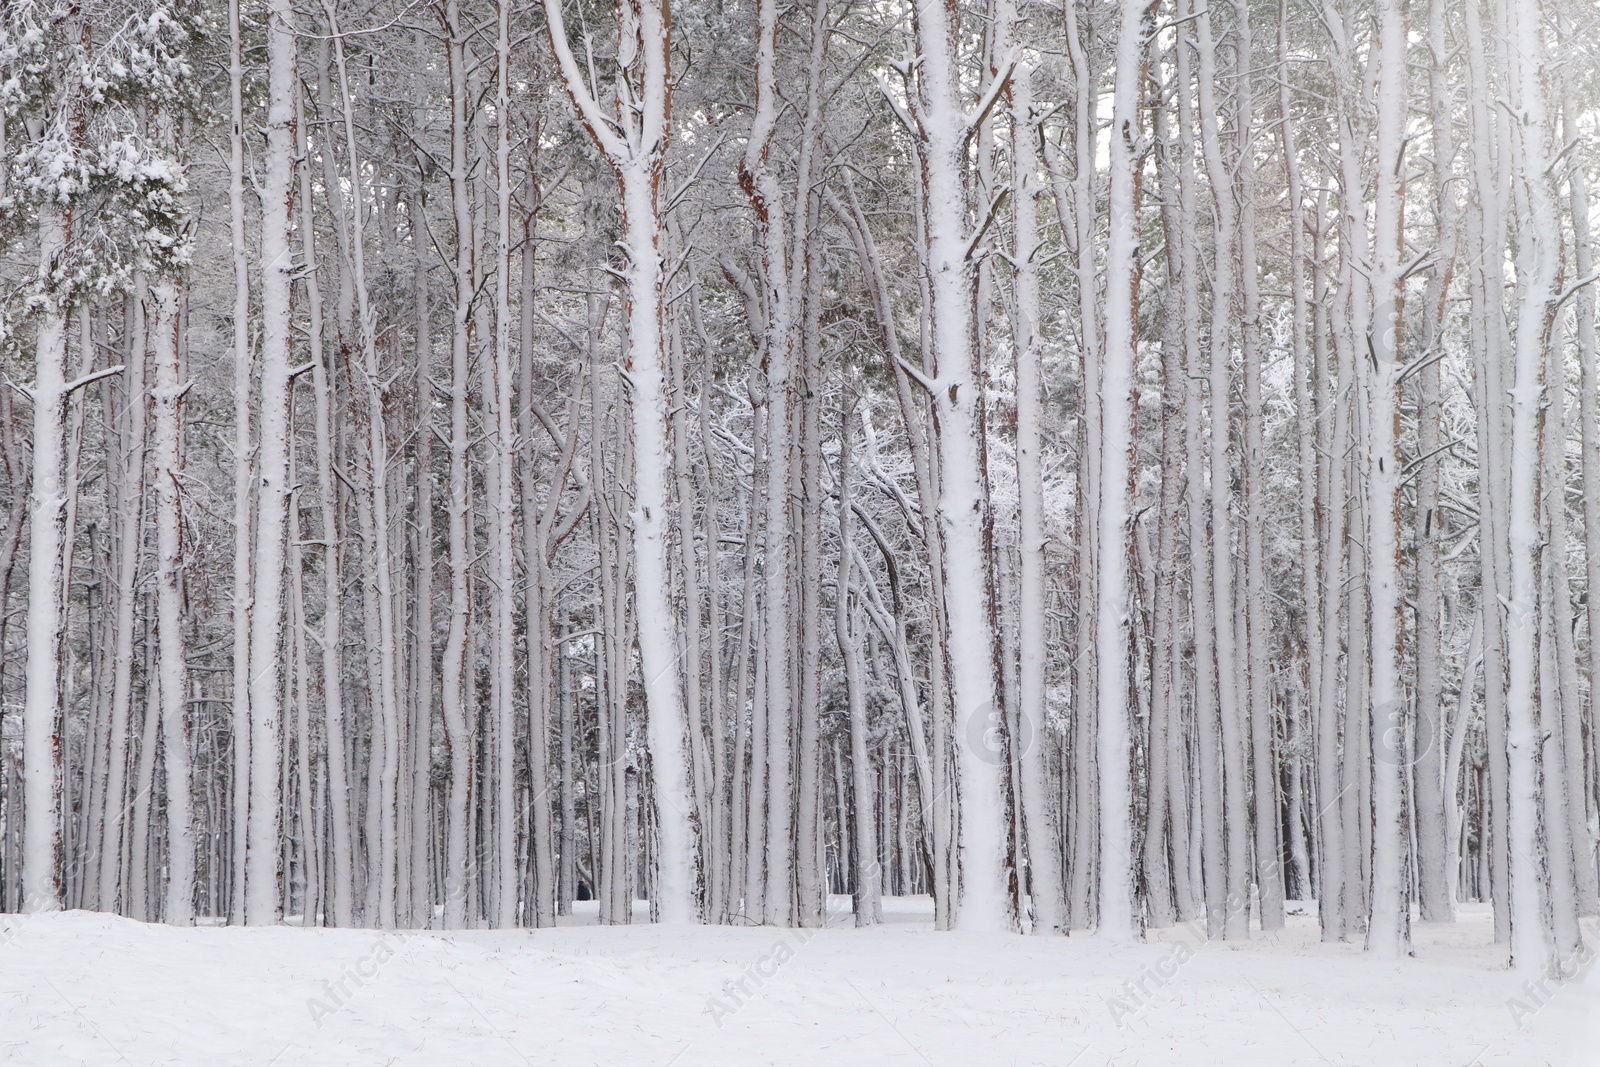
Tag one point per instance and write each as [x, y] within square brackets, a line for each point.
[81, 988]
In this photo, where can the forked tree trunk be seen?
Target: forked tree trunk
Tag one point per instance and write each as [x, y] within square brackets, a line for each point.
[638, 158]
[942, 125]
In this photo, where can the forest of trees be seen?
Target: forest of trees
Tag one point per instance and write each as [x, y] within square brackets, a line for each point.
[1100, 463]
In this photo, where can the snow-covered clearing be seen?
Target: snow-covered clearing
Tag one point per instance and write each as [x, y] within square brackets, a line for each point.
[88, 988]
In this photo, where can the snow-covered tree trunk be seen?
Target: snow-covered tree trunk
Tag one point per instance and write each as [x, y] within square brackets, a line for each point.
[1389, 932]
[1257, 671]
[47, 502]
[1491, 346]
[261, 887]
[143, 876]
[1434, 793]
[1343, 735]
[848, 624]
[166, 462]
[1305, 371]
[1044, 860]
[1572, 751]
[1168, 833]
[1538, 232]
[1455, 804]
[1119, 916]
[691, 631]
[1230, 709]
[725, 705]
[302, 860]
[1207, 729]
[674, 890]
[1589, 440]
[339, 880]
[244, 466]
[453, 674]
[719, 862]
[942, 126]
[502, 518]
[1560, 736]
[423, 865]
[539, 530]
[1076, 205]
[777, 356]
[810, 865]
[127, 540]
[611, 702]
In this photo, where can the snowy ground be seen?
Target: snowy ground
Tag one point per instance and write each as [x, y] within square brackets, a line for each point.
[86, 988]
